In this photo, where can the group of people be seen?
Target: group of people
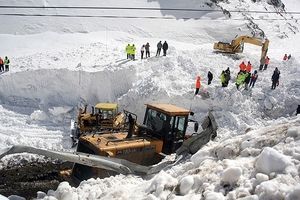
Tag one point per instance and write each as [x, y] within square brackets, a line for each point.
[264, 63]
[244, 77]
[4, 63]
[145, 50]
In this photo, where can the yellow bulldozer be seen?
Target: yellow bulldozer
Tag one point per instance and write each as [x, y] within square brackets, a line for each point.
[237, 45]
[137, 149]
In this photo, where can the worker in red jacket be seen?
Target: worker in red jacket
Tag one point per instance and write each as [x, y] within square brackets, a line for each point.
[242, 66]
[248, 67]
[267, 61]
[198, 85]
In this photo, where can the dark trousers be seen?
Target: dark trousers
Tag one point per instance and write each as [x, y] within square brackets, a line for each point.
[132, 56]
[6, 67]
[197, 90]
[261, 67]
[147, 54]
[165, 52]
[266, 66]
[128, 56]
[142, 54]
[1, 67]
[209, 81]
[274, 84]
[158, 52]
[252, 82]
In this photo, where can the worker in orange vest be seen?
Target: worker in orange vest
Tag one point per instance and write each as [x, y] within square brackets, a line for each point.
[198, 85]
[242, 66]
[267, 61]
[248, 67]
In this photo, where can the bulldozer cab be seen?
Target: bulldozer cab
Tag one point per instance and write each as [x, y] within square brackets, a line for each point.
[168, 123]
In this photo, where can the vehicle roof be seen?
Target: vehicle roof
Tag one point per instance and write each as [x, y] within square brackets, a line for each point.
[169, 109]
[106, 106]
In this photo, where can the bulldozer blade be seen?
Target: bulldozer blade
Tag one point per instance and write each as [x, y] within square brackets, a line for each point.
[114, 164]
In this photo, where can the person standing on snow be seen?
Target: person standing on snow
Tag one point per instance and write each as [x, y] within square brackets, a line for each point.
[285, 57]
[165, 48]
[289, 57]
[209, 77]
[142, 51]
[242, 67]
[223, 79]
[267, 61]
[198, 85]
[247, 80]
[253, 79]
[227, 76]
[127, 49]
[298, 110]
[159, 46]
[147, 47]
[6, 63]
[1, 65]
[248, 67]
[262, 63]
[240, 79]
[275, 78]
[133, 52]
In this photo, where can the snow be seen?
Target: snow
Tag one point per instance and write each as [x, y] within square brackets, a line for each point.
[231, 175]
[270, 161]
[58, 64]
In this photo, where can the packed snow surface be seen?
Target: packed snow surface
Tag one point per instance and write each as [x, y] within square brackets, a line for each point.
[58, 64]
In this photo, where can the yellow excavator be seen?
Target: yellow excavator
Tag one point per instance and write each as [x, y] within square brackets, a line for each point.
[136, 150]
[237, 45]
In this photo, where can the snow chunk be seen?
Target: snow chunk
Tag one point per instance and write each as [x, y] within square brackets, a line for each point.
[213, 196]
[186, 184]
[64, 192]
[270, 161]
[39, 115]
[252, 197]
[261, 177]
[293, 132]
[294, 194]
[160, 182]
[231, 175]
[269, 190]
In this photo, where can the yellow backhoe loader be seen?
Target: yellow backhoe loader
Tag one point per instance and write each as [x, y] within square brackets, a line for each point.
[237, 45]
[136, 150]
[104, 116]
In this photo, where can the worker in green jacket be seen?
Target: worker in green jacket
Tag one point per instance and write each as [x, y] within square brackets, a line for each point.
[127, 49]
[6, 63]
[223, 79]
[133, 48]
[240, 79]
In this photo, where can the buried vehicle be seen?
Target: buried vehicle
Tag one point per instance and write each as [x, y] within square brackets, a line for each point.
[137, 150]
